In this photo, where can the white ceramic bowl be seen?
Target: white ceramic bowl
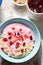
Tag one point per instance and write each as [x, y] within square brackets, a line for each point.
[19, 4]
[33, 15]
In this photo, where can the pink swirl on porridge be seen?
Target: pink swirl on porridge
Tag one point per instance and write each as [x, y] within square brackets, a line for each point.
[17, 40]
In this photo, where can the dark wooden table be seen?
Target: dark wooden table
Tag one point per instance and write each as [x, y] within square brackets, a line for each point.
[36, 60]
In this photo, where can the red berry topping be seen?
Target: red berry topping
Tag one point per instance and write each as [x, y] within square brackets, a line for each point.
[31, 38]
[18, 33]
[26, 36]
[5, 39]
[15, 41]
[17, 37]
[9, 37]
[22, 50]
[2, 49]
[20, 30]
[21, 38]
[11, 43]
[17, 44]
[9, 33]
[14, 33]
[24, 44]
[13, 28]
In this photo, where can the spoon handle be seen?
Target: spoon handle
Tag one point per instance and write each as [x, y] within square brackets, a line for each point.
[0, 2]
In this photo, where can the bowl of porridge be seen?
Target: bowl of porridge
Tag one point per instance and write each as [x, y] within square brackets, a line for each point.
[19, 40]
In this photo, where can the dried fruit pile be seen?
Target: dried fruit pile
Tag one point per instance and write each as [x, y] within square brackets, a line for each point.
[36, 5]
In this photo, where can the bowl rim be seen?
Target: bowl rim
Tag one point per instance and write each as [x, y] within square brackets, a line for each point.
[31, 55]
[19, 4]
[31, 10]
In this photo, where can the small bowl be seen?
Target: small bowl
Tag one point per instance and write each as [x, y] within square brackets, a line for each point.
[37, 41]
[34, 16]
[19, 4]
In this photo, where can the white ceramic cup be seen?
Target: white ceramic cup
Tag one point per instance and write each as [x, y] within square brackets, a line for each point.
[33, 15]
[19, 4]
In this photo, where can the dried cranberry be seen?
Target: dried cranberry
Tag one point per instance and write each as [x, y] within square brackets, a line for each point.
[30, 1]
[5, 39]
[26, 36]
[24, 44]
[17, 44]
[18, 33]
[13, 28]
[20, 30]
[15, 40]
[9, 37]
[9, 33]
[21, 38]
[39, 9]
[2, 49]
[11, 43]
[31, 38]
[22, 50]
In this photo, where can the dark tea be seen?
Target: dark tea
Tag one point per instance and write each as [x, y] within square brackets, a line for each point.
[36, 5]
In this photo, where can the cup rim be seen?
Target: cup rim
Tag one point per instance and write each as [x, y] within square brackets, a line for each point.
[31, 10]
[19, 4]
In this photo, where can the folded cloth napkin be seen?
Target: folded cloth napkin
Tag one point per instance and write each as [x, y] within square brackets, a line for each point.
[0, 2]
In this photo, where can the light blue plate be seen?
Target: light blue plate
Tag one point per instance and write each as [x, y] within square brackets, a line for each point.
[37, 43]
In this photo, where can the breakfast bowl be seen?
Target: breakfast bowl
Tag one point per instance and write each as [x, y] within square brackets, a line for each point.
[30, 34]
[19, 2]
[35, 9]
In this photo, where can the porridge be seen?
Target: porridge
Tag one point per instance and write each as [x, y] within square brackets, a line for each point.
[17, 40]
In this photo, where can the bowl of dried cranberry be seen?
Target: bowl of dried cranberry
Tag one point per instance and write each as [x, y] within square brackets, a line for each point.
[35, 9]
[19, 40]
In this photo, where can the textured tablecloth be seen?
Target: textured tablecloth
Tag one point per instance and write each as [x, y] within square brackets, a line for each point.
[7, 11]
